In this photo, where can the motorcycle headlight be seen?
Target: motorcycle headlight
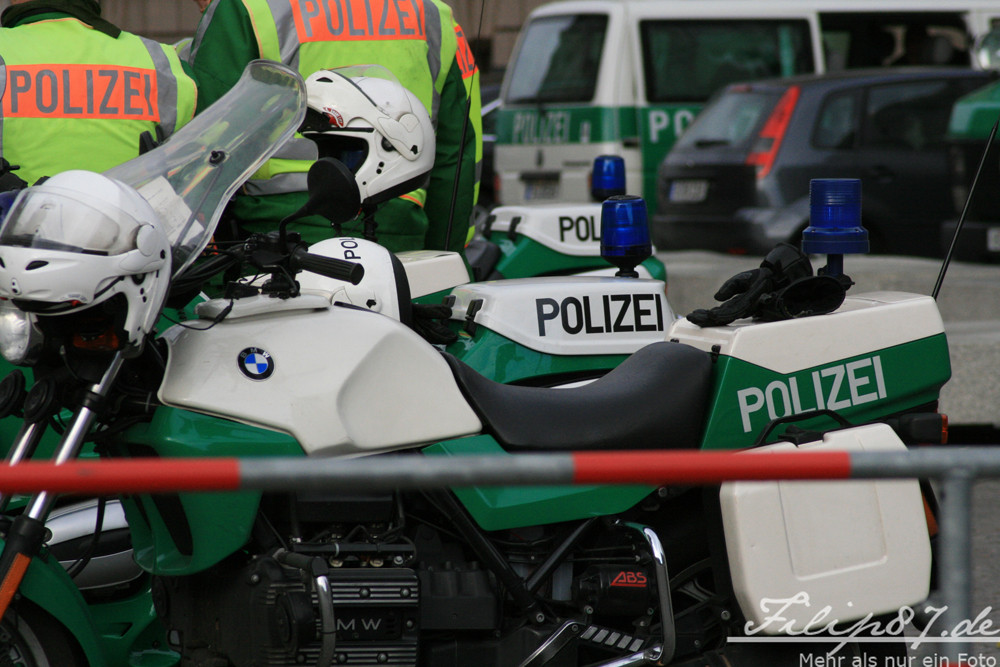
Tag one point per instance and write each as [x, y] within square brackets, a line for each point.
[20, 337]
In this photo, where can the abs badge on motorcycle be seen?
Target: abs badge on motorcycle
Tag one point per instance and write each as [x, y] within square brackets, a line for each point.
[256, 364]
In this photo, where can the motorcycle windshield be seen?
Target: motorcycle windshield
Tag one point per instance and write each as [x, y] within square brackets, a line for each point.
[190, 177]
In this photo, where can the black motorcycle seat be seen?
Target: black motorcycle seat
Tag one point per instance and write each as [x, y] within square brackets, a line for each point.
[656, 399]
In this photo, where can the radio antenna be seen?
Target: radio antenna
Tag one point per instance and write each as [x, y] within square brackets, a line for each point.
[965, 210]
[465, 131]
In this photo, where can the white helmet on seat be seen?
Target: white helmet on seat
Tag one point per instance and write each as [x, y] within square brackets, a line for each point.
[364, 117]
[79, 239]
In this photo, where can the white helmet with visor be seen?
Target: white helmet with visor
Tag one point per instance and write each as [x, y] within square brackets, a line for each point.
[365, 118]
[79, 239]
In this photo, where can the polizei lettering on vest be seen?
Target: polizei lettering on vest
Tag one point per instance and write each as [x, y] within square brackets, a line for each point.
[328, 20]
[833, 388]
[583, 228]
[81, 91]
[609, 313]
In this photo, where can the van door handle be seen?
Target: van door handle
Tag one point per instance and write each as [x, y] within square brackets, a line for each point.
[630, 142]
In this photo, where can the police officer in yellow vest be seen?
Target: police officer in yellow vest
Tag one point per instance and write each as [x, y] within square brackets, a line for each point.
[78, 92]
[417, 40]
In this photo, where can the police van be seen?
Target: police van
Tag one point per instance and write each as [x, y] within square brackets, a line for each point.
[625, 77]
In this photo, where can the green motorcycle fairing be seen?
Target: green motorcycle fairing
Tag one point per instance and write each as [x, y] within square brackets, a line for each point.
[101, 629]
[521, 257]
[183, 533]
[504, 360]
[893, 380]
[499, 507]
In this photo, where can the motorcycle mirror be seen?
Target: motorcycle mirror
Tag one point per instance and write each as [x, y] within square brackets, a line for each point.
[333, 190]
[333, 193]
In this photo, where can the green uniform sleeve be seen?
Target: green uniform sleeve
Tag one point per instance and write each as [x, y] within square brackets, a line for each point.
[223, 46]
[452, 118]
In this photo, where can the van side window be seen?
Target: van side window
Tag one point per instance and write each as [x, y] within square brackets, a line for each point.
[685, 61]
[837, 123]
[886, 38]
[558, 59]
[908, 116]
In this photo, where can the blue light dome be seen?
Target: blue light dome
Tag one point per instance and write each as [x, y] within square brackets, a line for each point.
[625, 238]
[835, 218]
[608, 178]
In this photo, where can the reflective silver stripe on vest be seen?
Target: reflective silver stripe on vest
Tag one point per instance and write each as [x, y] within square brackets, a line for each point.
[288, 38]
[298, 148]
[166, 86]
[199, 34]
[3, 91]
[277, 185]
[432, 21]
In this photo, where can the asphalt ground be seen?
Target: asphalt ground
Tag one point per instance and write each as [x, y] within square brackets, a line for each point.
[969, 302]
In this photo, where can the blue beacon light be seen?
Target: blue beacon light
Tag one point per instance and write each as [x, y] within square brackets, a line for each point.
[625, 238]
[608, 177]
[835, 222]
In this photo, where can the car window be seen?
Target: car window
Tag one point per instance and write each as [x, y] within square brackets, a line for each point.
[730, 119]
[837, 123]
[909, 116]
[558, 59]
[687, 61]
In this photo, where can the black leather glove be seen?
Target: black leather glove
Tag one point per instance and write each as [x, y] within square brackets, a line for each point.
[745, 293]
[429, 321]
[812, 295]
[148, 141]
[740, 293]
[8, 179]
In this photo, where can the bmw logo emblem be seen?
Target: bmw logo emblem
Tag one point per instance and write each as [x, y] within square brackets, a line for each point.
[256, 364]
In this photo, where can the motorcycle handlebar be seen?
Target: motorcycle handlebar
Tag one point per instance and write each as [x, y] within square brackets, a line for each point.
[331, 267]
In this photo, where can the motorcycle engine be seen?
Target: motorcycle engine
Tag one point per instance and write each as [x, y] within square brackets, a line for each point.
[265, 609]
[266, 613]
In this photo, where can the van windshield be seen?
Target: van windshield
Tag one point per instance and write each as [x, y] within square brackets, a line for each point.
[558, 60]
[686, 61]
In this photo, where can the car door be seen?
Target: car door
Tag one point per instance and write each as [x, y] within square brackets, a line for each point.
[903, 163]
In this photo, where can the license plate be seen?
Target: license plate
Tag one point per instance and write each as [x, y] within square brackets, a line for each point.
[541, 189]
[993, 239]
[688, 191]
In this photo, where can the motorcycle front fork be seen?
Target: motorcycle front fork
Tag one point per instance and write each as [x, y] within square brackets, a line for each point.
[27, 532]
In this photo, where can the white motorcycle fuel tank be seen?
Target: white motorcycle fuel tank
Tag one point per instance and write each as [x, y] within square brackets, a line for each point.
[341, 380]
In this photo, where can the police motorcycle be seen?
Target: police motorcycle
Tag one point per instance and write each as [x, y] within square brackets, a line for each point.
[430, 290]
[614, 575]
[552, 239]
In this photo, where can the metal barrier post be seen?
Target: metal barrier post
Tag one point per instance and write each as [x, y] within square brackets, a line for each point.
[955, 565]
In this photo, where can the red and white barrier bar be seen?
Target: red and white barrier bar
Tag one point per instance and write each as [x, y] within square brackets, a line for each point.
[409, 471]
